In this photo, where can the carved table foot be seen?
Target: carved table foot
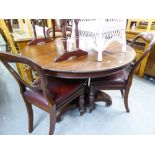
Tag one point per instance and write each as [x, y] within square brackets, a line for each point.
[102, 96]
[99, 96]
[67, 55]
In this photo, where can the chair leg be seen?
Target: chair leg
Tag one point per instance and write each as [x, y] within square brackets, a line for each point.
[126, 100]
[91, 99]
[122, 93]
[52, 119]
[81, 105]
[30, 116]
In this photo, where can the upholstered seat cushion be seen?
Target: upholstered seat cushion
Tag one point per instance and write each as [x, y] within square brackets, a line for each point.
[59, 89]
[119, 78]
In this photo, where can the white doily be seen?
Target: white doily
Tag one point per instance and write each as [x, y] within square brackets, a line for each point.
[99, 33]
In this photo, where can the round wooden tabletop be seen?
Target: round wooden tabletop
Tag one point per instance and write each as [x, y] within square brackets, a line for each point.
[79, 67]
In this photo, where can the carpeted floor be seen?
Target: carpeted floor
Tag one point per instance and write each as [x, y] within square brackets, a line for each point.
[103, 120]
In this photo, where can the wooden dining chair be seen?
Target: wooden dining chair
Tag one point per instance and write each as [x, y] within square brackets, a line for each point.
[47, 93]
[45, 38]
[56, 29]
[122, 80]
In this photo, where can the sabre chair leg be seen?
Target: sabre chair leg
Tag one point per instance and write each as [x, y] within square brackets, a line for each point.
[30, 116]
[126, 100]
[52, 119]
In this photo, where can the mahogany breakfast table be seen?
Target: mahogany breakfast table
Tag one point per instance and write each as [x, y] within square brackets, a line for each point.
[83, 67]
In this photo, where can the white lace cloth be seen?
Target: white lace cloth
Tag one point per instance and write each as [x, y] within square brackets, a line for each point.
[98, 33]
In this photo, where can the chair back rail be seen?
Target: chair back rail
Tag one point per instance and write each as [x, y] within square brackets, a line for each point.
[149, 38]
[7, 58]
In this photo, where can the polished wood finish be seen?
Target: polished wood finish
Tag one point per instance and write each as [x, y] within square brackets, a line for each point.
[79, 67]
[122, 80]
[48, 94]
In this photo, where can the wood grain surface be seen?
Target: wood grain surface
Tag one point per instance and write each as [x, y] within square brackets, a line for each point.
[79, 67]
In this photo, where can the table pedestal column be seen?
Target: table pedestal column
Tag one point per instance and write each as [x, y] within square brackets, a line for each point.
[92, 96]
[99, 96]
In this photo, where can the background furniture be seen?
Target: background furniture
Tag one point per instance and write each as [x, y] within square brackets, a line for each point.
[150, 66]
[4, 46]
[23, 31]
[135, 27]
[45, 37]
[70, 53]
[122, 80]
[17, 35]
[56, 27]
[49, 94]
[29, 30]
[23, 70]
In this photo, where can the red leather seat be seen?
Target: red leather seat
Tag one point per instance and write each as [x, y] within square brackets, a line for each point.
[114, 79]
[58, 88]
